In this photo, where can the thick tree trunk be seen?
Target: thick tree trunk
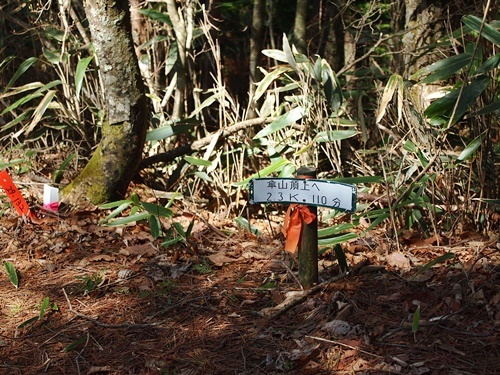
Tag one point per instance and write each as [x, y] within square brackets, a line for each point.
[114, 163]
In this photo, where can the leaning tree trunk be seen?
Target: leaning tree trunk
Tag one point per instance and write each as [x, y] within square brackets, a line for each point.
[116, 159]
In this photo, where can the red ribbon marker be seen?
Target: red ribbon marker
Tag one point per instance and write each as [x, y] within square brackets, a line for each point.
[292, 225]
[14, 195]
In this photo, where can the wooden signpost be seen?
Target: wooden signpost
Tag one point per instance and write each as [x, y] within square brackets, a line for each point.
[304, 193]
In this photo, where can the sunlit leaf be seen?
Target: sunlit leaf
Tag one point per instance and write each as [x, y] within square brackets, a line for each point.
[268, 79]
[471, 148]
[334, 135]
[168, 131]
[290, 117]
[288, 53]
[129, 219]
[11, 273]
[336, 229]
[243, 223]
[110, 205]
[80, 73]
[40, 111]
[203, 175]
[197, 161]
[395, 83]
[335, 240]
[275, 166]
[122, 207]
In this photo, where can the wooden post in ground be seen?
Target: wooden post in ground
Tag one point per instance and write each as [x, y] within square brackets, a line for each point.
[308, 243]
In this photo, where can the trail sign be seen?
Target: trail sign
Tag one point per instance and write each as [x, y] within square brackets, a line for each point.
[303, 191]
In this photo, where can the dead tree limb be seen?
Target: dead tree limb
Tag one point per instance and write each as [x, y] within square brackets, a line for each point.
[169, 156]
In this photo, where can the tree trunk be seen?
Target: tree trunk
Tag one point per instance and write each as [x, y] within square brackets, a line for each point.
[115, 161]
[299, 28]
[256, 43]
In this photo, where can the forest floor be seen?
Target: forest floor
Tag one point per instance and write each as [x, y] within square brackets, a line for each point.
[105, 300]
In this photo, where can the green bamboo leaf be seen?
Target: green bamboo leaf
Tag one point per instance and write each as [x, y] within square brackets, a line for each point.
[171, 241]
[339, 239]
[28, 322]
[471, 148]
[122, 207]
[43, 307]
[40, 111]
[440, 259]
[154, 226]
[336, 229]
[442, 108]
[360, 180]
[490, 64]
[243, 223]
[23, 67]
[156, 16]
[332, 88]
[203, 175]
[445, 68]
[275, 166]
[110, 205]
[275, 54]
[416, 320]
[31, 96]
[290, 59]
[12, 273]
[80, 73]
[75, 344]
[197, 161]
[129, 219]
[58, 173]
[268, 79]
[155, 209]
[284, 120]
[340, 255]
[169, 131]
[179, 229]
[334, 135]
[488, 31]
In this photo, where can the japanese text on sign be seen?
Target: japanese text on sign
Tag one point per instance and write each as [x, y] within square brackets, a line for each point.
[303, 191]
[14, 195]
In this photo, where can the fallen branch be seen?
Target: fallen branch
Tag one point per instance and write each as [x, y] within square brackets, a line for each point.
[169, 156]
[295, 299]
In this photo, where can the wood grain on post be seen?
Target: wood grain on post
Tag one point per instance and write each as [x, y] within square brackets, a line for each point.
[308, 244]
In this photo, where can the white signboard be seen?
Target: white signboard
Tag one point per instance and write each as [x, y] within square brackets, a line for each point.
[303, 191]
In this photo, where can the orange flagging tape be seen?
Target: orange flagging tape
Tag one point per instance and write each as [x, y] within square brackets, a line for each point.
[14, 194]
[292, 225]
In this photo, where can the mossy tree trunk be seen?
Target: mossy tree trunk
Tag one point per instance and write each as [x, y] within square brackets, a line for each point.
[116, 160]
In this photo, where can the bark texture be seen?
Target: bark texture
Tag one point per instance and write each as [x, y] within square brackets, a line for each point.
[299, 29]
[115, 161]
